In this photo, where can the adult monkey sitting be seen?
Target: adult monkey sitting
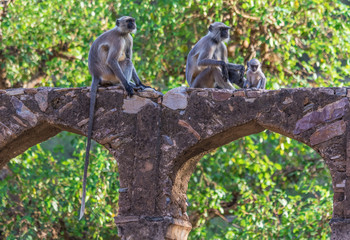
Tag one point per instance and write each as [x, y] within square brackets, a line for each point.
[110, 63]
[207, 64]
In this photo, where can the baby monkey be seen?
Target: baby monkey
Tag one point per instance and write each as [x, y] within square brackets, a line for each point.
[255, 77]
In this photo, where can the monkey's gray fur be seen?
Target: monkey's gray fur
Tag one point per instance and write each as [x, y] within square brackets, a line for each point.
[206, 65]
[255, 77]
[110, 63]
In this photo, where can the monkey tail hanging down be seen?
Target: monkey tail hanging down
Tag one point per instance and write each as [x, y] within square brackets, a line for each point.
[110, 62]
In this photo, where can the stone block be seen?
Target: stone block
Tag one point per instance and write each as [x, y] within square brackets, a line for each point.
[253, 94]
[134, 104]
[328, 132]
[340, 92]
[23, 111]
[41, 98]
[14, 92]
[328, 113]
[327, 91]
[239, 94]
[176, 98]
[30, 91]
[221, 96]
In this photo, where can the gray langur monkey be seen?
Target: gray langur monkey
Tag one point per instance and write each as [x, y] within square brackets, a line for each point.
[110, 63]
[255, 77]
[206, 65]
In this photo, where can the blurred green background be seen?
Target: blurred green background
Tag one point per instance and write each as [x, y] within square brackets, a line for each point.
[264, 186]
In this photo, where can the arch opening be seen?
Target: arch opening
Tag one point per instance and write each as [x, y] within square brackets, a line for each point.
[265, 195]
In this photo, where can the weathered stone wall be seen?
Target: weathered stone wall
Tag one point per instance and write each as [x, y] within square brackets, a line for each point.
[157, 140]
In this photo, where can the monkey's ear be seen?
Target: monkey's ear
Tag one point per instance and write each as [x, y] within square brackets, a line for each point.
[210, 28]
[117, 22]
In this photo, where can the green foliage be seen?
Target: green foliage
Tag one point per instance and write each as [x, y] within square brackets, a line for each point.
[264, 186]
[301, 43]
[41, 197]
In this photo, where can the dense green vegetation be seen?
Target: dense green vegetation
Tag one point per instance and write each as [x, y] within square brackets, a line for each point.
[264, 186]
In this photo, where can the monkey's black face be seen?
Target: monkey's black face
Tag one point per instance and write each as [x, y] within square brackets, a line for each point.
[224, 33]
[131, 23]
[254, 67]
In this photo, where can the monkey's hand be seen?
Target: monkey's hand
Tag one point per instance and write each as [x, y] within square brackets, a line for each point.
[139, 87]
[129, 89]
[224, 71]
[143, 86]
[134, 86]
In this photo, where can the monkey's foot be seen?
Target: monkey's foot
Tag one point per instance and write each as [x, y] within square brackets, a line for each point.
[149, 92]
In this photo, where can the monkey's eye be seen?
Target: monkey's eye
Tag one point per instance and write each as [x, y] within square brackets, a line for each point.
[224, 30]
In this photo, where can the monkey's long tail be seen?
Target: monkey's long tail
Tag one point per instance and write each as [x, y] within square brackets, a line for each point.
[93, 95]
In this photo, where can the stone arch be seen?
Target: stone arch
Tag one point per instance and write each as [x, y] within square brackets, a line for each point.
[315, 117]
[31, 116]
[157, 140]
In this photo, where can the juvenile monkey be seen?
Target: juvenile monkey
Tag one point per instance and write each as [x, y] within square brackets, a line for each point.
[206, 65]
[110, 63]
[255, 77]
[236, 74]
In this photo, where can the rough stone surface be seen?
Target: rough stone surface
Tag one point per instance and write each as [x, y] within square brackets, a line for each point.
[254, 93]
[42, 99]
[149, 93]
[158, 140]
[239, 94]
[328, 113]
[222, 95]
[14, 92]
[328, 132]
[340, 229]
[340, 92]
[348, 155]
[135, 104]
[23, 111]
[176, 98]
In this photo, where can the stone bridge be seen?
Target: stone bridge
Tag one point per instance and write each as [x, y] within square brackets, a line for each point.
[157, 140]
